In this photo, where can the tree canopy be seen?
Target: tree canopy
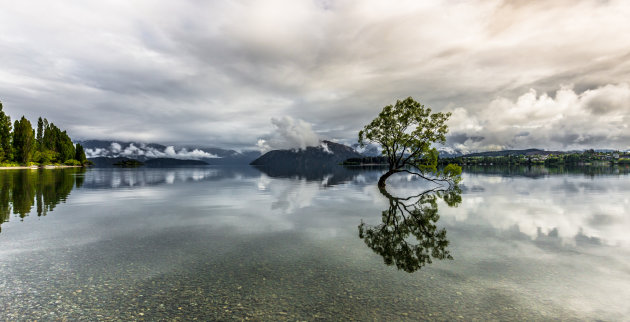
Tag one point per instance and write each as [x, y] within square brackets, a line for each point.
[406, 132]
[6, 150]
[20, 144]
[23, 140]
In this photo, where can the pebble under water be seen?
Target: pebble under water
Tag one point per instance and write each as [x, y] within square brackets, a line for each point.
[213, 243]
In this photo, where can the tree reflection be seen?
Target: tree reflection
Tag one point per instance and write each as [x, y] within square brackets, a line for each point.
[21, 190]
[409, 218]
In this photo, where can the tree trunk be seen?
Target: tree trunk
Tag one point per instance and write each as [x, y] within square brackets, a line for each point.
[381, 181]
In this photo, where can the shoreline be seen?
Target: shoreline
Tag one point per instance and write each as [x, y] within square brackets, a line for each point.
[36, 167]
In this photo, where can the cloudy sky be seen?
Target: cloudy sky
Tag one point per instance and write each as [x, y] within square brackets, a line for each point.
[515, 74]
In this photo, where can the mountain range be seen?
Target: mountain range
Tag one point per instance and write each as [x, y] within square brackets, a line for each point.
[105, 153]
[327, 153]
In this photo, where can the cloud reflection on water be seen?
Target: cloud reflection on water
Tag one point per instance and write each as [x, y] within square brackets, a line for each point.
[556, 236]
[567, 207]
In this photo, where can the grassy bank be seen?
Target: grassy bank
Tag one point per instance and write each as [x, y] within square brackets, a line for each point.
[14, 166]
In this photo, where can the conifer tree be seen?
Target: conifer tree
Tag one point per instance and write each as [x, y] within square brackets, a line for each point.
[23, 140]
[80, 154]
[40, 134]
[5, 137]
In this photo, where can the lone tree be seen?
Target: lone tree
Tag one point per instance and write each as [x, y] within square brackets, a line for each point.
[405, 132]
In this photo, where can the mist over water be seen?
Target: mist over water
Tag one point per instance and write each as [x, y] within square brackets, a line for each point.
[242, 242]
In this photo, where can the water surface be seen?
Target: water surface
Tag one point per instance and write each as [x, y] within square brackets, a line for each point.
[247, 243]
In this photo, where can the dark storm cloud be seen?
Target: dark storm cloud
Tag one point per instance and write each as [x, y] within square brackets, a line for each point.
[572, 139]
[461, 138]
[216, 73]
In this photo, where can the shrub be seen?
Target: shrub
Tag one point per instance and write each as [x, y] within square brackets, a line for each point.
[72, 162]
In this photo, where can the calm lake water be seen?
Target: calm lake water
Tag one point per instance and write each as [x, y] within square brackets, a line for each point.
[243, 243]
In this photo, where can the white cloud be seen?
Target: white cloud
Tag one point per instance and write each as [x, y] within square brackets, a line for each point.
[289, 133]
[185, 154]
[115, 147]
[133, 151]
[93, 153]
[568, 120]
[324, 146]
[213, 73]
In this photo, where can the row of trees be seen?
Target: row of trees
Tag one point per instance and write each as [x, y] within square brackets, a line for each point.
[585, 158]
[21, 144]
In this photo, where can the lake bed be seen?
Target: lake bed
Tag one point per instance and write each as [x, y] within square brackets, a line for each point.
[246, 243]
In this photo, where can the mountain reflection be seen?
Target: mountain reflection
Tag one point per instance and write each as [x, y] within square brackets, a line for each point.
[108, 178]
[21, 190]
[414, 216]
[327, 174]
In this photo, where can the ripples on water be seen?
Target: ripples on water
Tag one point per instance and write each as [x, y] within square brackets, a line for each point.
[236, 243]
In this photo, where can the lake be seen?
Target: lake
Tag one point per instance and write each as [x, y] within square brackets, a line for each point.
[267, 244]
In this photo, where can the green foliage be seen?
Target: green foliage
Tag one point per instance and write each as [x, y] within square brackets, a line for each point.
[49, 145]
[72, 162]
[6, 150]
[66, 148]
[550, 160]
[405, 132]
[40, 134]
[406, 127]
[45, 157]
[58, 142]
[428, 162]
[80, 154]
[129, 164]
[23, 141]
[453, 171]
[366, 161]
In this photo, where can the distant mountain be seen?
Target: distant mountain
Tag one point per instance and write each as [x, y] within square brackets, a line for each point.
[146, 151]
[243, 157]
[105, 162]
[107, 145]
[327, 153]
[448, 152]
[369, 150]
